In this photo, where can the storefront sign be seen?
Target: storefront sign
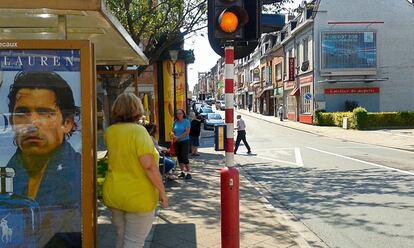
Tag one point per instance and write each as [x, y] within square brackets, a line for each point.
[307, 79]
[371, 90]
[291, 69]
[47, 146]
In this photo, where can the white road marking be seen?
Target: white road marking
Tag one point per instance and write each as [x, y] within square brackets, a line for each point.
[273, 149]
[277, 160]
[360, 147]
[298, 157]
[362, 161]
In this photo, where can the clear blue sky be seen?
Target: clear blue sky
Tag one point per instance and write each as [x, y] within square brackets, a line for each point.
[205, 57]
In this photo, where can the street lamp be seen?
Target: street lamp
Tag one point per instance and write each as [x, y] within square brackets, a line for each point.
[174, 58]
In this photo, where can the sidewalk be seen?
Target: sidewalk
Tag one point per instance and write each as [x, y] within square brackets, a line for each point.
[395, 138]
[193, 218]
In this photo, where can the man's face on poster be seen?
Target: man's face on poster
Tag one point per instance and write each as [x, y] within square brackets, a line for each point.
[38, 122]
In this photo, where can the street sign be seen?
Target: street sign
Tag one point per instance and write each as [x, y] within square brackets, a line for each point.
[307, 96]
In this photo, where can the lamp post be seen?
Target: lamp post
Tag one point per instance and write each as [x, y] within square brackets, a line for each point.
[174, 58]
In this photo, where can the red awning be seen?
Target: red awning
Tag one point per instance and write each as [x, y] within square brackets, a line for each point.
[295, 92]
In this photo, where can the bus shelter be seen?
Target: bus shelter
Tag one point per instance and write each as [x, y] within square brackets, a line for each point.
[49, 51]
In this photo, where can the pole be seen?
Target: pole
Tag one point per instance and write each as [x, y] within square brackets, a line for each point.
[175, 89]
[229, 176]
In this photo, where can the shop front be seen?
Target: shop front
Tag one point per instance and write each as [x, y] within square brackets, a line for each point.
[266, 99]
[292, 94]
[306, 99]
[277, 98]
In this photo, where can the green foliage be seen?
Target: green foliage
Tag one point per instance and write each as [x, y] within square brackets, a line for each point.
[361, 119]
[389, 119]
[334, 119]
[350, 105]
[101, 169]
[157, 25]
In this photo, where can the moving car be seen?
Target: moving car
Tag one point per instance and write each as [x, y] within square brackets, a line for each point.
[212, 120]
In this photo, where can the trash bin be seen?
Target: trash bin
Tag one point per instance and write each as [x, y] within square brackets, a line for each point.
[345, 122]
[220, 137]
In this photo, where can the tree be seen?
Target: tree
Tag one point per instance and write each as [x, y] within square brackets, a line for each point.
[156, 25]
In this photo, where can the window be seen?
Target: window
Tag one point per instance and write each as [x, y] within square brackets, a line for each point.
[306, 100]
[348, 51]
[262, 74]
[305, 50]
[278, 69]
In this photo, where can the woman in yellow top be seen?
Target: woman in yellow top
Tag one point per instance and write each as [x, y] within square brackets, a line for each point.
[133, 183]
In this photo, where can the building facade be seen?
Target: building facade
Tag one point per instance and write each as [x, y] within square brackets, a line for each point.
[364, 57]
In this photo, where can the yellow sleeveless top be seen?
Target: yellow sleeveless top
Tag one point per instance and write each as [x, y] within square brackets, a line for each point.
[126, 186]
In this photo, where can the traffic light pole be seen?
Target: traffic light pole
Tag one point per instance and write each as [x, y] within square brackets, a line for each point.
[229, 176]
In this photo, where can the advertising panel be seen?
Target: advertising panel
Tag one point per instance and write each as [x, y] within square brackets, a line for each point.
[168, 85]
[41, 145]
[348, 51]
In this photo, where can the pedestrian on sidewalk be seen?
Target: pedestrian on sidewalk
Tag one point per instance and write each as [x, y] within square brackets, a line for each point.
[241, 135]
[250, 106]
[181, 131]
[195, 131]
[280, 112]
[133, 184]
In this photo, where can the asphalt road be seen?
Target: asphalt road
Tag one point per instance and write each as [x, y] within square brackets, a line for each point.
[348, 194]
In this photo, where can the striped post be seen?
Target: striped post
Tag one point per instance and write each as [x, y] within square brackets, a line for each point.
[229, 97]
[229, 175]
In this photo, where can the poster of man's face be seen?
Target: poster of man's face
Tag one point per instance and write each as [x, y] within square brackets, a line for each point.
[40, 148]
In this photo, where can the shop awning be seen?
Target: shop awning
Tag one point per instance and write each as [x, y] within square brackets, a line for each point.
[71, 20]
[295, 92]
[264, 90]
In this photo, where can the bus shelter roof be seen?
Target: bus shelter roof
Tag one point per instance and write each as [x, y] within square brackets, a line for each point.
[71, 20]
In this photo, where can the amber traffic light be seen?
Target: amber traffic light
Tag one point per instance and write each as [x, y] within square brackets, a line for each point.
[228, 21]
[236, 21]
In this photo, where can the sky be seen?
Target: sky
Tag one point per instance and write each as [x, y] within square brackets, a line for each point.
[205, 57]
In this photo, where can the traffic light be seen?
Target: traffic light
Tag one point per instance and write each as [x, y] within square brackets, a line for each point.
[237, 21]
[230, 17]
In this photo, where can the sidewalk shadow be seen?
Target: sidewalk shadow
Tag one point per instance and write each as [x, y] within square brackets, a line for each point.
[174, 235]
[325, 192]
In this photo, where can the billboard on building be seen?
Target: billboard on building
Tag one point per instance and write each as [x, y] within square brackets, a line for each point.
[348, 51]
[43, 144]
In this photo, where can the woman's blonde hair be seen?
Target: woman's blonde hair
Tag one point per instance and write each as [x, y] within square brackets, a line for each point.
[127, 108]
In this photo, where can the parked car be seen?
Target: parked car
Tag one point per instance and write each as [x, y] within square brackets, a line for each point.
[204, 112]
[222, 105]
[217, 104]
[210, 101]
[212, 120]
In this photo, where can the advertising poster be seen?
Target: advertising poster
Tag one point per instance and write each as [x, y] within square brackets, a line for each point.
[349, 50]
[40, 148]
[168, 81]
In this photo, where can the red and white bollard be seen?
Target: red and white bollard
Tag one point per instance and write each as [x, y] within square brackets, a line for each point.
[229, 176]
